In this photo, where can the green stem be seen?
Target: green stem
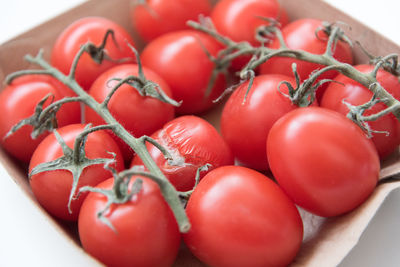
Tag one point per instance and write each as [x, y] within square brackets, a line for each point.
[58, 103]
[168, 190]
[325, 59]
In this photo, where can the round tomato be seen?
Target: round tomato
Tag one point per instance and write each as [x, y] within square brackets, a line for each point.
[18, 101]
[356, 94]
[140, 115]
[52, 188]
[245, 126]
[192, 142]
[91, 29]
[146, 233]
[180, 58]
[239, 21]
[301, 35]
[157, 17]
[240, 217]
[322, 160]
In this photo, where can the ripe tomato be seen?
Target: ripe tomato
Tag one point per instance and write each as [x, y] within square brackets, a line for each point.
[192, 142]
[239, 19]
[18, 101]
[356, 94]
[245, 126]
[180, 58]
[301, 34]
[322, 160]
[146, 231]
[240, 217]
[157, 17]
[52, 188]
[139, 115]
[91, 29]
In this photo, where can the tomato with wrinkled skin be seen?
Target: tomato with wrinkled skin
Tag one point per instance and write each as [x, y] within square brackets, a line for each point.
[18, 101]
[355, 94]
[241, 218]
[301, 35]
[181, 60]
[140, 115]
[52, 188]
[192, 142]
[157, 17]
[146, 233]
[245, 126]
[91, 29]
[322, 160]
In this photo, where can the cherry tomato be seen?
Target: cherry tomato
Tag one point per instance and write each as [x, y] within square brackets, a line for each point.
[322, 160]
[140, 115]
[52, 188]
[301, 34]
[157, 17]
[18, 101]
[239, 19]
[240, 217]
[192, 142]
[245, 125]
[180, 58]
[146, 233]
[91, 29]
[356, 94]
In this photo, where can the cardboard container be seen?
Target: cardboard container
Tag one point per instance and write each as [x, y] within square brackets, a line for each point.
[327, 241]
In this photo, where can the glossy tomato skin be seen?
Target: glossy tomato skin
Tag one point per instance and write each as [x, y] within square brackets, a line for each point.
[356, 94]
[301, 34]
[146, 231]
[52, 188]
[18, 101]
[192, 142]
[91, 29]
[156, 17]
[239, 21]
[240, 217]
[245, 126]
[139, 115]
[322, 160]
[180, 59]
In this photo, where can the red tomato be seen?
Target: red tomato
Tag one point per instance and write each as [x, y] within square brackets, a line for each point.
[356, 94]
[240, 217]
[239, 21]
[180, 58]
[245, 127]
[157, 17]
[52, 188]
[300, 35]
[192, 142]
[91, 29]
[322, 160]
[18, 101]
[146, 231]
[139, 115]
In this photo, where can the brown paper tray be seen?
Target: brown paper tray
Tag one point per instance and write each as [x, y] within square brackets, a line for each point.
[327, 241]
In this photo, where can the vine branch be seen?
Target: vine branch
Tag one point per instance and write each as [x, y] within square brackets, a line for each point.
[167, 189]
[325, 59]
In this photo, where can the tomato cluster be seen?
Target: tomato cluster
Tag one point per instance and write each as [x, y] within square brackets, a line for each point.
[318, 159]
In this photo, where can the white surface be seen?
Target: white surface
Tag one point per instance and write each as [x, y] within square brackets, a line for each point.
[25, 238]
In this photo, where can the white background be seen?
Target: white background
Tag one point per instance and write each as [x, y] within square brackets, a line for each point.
[26, 238]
